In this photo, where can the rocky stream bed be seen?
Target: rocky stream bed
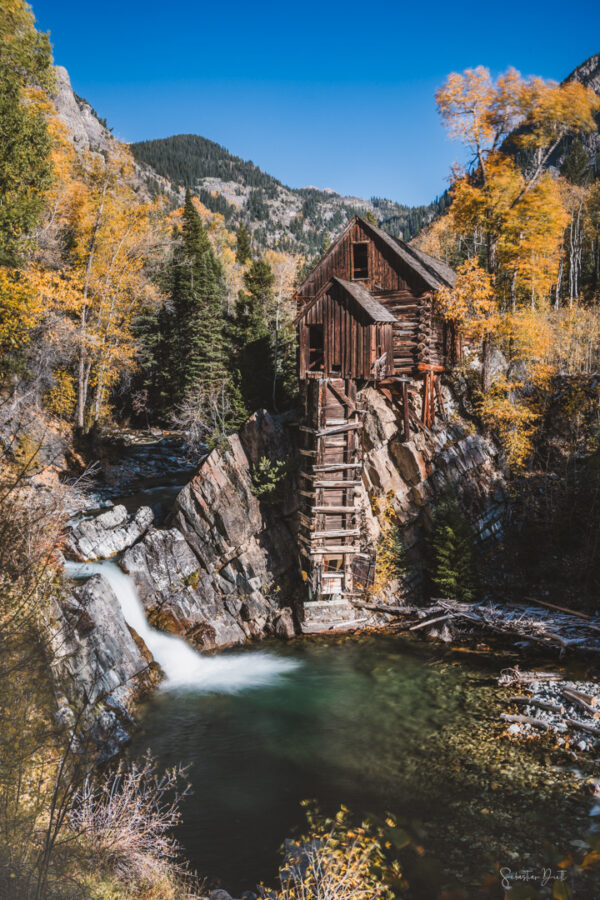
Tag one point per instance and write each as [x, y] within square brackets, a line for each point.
[410, 717]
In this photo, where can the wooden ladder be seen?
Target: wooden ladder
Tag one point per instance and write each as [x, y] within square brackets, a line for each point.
[331, 469]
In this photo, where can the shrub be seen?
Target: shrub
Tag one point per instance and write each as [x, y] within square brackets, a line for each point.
[451, 567]
[268, 480]
[338, 860]
[391, 562]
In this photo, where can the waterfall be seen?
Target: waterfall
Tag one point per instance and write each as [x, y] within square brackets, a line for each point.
[184, 667]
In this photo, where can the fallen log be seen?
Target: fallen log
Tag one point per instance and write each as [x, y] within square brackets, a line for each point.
[583, 726]
[564, 609]
[525, 720]
[380, 607]
[430, 622]
[542, 704]
[585, 697]
[513, 676]
[576, 698]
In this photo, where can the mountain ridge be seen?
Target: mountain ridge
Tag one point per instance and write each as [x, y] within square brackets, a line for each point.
[291, 219]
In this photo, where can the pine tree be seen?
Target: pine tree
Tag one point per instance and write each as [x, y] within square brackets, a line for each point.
[25, 167]
[251, 336]
[196, 358]
[451, 567]
[243, 250]
[576, 168]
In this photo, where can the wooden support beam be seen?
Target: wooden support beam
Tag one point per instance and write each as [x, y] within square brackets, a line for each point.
[334, 510]
[308, 452]
[310, 494]
[405, 410]
[333, 467]
[427, 367]
[334, 551]
[336, 484]
[440, 398]
[342, 397]
[340, 532]
[339, 429]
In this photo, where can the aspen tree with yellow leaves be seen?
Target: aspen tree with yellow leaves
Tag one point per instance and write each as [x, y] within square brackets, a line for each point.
[508, 221]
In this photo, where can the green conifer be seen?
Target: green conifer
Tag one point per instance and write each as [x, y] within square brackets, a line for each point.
[251, 337]
[451, 566]
[243, 250]
[25, 166]
[576, 168]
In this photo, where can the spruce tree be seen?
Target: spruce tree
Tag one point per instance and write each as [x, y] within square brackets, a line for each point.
[251, 336]
[451, 566]
[576, 167]
[243, 250]
[25, 165]
[196, 375]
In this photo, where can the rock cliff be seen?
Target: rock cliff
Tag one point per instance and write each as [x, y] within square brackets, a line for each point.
[109, 533]
[226, 569]
[101, 665]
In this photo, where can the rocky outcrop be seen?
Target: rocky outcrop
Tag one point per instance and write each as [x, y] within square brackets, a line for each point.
[415, 475]
[86, 130]
[101, 665]
[225, 571]
[178, 595]
[109, 533]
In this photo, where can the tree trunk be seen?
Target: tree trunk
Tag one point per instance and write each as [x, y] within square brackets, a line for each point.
[82, 380]
[486, 363]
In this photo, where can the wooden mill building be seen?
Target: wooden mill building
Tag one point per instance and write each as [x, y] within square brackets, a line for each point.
[366, 315]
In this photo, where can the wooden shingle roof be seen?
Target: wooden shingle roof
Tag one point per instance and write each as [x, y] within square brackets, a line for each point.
[375, 310]
[434, 272]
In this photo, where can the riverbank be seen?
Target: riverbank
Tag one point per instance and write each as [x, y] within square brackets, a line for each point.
[380, 723]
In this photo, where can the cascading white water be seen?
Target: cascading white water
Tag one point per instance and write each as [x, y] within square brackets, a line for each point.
[184, 667]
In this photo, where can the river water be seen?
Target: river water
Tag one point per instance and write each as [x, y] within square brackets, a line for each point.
[376, 722]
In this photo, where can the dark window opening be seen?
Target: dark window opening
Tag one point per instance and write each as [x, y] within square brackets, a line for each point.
[316, 348]
[333, 563]
[360, 261]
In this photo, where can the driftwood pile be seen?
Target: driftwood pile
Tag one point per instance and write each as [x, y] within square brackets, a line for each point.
[548, 703]
[536, 621]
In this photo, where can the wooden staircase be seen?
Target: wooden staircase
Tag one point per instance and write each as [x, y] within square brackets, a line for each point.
[331, 456]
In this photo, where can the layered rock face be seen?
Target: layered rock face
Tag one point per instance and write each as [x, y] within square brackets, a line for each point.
[87, 132]
[102, 666]
[224, 571]
[415, 475]
[109, 533]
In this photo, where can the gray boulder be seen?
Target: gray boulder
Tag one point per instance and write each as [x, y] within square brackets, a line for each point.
[109, 533]
[179, 596]
[101, 665]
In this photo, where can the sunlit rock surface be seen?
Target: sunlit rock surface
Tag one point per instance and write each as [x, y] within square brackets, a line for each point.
[101, 664]
[223, 573]
[109, 533]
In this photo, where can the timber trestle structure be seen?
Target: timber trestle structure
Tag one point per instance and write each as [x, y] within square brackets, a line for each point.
[331, 467]
[367, 316]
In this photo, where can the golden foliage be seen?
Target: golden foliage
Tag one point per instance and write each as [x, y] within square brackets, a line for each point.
[341, 861]
[513, 422]
[510, 221]
[19, 310]
[61, 398]
[471, 304]
[390, 562]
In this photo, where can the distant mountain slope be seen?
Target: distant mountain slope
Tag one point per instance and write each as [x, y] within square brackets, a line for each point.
[588, 73]
[297, 220]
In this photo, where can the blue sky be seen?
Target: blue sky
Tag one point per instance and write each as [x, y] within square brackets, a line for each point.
[337, 95]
